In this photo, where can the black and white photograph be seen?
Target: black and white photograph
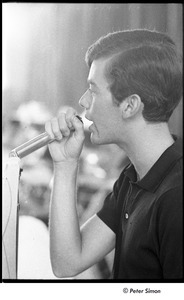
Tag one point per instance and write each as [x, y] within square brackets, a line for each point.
[92, 148]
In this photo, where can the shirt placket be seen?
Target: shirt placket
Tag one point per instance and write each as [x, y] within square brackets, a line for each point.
[132, 195]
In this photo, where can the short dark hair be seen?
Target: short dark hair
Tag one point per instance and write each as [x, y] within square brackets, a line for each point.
[142, 62]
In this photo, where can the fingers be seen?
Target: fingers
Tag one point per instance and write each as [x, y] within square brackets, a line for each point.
[69, 115]
[74, 122]
[63, 126]
[48, 129]
[78, 126]
[60, 127]
[53, 129]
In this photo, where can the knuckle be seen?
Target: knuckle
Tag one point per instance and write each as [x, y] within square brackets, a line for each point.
[61, 115]
[65, 131]
[67, 117]
[70, 113]
[70, 110]
[56, 132]
[61, 119]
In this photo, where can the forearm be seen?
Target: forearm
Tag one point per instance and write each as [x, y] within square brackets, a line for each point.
[65, 237]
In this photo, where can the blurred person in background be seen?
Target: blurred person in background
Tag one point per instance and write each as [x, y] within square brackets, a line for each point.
[24, 124]
[135, 83]
[34, 191]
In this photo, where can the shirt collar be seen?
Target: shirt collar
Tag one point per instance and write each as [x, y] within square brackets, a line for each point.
[158, 171]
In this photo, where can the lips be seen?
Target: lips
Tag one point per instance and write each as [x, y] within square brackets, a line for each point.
[88, 118]
[89, 122]
[91, 127]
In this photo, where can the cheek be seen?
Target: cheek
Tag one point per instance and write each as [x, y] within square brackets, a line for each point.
[101, 110]
[96, 108]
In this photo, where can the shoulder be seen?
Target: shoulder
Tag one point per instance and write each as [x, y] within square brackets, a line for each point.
[169, 207]
[171, 198]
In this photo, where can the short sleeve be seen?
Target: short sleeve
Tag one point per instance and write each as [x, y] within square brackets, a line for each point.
[109, 212]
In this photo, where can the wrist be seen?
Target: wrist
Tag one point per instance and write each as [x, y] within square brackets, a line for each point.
[66, 164]
[66, 171]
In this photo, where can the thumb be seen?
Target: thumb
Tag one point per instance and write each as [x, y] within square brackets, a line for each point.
[78, 127]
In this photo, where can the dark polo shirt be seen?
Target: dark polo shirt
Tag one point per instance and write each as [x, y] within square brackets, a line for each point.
[147, 218]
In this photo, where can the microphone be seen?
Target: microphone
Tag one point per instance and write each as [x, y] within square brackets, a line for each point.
[34, 144]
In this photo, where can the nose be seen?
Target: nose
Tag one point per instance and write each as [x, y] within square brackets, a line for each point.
[85, 100]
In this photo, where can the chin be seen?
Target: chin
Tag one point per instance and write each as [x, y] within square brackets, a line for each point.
[96, 140]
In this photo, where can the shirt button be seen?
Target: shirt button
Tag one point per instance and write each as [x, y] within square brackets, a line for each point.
[126, 216]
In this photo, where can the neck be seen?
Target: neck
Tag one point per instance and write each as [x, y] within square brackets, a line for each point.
[146, 145]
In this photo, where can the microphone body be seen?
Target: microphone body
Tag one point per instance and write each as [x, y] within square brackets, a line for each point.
[32, 145]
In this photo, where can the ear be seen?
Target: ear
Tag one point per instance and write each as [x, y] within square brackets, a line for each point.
[131, 106]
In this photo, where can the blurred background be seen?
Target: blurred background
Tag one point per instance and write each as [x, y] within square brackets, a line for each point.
[44, 72]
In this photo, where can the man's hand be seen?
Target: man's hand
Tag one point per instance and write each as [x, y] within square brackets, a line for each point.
[68, 131]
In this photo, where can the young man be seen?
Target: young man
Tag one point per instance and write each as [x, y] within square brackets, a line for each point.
[135, 83]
